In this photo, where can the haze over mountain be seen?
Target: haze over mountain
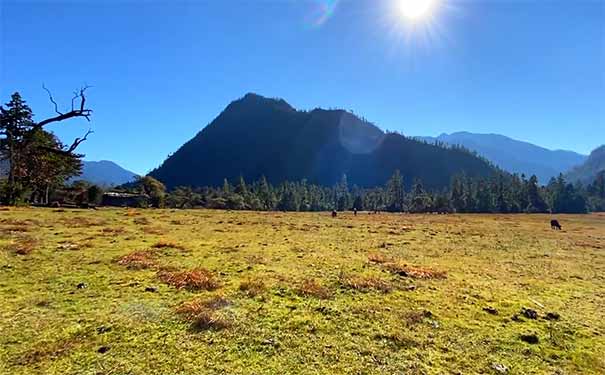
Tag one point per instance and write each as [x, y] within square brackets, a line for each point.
[587, 172]
[105, 173]
[513, 155]
[256, 136]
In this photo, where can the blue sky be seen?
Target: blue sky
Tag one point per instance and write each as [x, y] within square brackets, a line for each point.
[162, 70]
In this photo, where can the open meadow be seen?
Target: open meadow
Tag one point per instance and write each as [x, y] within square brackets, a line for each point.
[123, 291]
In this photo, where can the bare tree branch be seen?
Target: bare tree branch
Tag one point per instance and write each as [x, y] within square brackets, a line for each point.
[81, 112]
[50, 96]
[77, 141]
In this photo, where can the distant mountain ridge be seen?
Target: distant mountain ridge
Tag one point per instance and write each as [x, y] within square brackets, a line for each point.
[256, 136]
[587, 172]
[105, 173]
[513, 155]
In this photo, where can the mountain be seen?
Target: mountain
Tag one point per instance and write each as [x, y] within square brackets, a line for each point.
[257, 136]
[587, 172]
[105, 173]
[513, 155]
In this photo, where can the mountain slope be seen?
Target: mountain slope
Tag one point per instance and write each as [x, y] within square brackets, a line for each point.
[105, 173]
[256, 136]
[587, 172]
[513, 155]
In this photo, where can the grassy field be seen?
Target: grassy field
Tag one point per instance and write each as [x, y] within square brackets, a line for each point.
[119, 291]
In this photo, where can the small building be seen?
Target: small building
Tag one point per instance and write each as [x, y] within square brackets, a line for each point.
[120, 199]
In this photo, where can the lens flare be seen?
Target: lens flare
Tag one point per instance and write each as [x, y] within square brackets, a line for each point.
[321, 12]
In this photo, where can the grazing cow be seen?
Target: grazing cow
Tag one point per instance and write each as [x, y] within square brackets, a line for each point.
[554, 224]
[334, 213]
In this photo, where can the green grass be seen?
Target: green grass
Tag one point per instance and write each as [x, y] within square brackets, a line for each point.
[295, 293]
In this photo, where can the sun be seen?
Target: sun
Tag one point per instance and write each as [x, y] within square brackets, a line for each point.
[416, 10]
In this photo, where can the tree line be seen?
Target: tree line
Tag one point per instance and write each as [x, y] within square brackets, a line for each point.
[502, 193]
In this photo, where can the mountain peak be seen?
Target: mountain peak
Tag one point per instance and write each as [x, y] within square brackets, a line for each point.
[253, 99]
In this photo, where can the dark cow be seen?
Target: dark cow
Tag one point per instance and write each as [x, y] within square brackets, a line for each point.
[554, 224]
[334, 213]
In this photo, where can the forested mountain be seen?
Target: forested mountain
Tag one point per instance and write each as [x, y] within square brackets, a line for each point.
[588, 171]
[257, 136]
[513, 155]
[105, 173]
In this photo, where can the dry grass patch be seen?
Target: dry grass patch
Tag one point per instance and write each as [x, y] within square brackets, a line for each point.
[162, 244]
[365, 283]
[153, 230]
[312, 288]
[413, 318]
[196, 279]
[138, 260]
[378, 258]
[24, 246]
[131, 213]
[11, 229]
[82, 222]
[112, 231]
[402, 269]
[142, 221]
[204, 314]
[47, 350]
[252, 287]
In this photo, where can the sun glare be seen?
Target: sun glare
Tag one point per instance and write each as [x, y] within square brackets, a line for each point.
[415, 10]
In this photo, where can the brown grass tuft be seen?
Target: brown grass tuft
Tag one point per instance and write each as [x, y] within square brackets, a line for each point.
[252, 287]
[153, 230]
[131, 213]
[365, 283]
[196, 279]
[203, 315]
[138, 260]
[142, 221]
[377, 258]
[162, 244]
[413, 318]
[312, 288]
[113, 230]
[15, 228]
[24, 246]
[405, 270]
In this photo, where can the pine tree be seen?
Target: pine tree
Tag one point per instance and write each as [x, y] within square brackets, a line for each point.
[396, 192]
[535, 199]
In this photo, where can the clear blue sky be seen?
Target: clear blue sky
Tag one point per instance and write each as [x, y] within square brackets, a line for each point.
[162, 70]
